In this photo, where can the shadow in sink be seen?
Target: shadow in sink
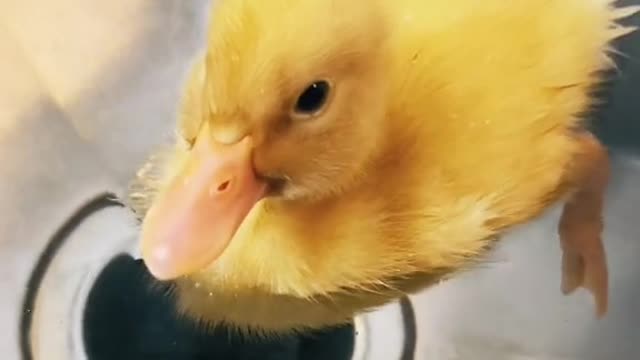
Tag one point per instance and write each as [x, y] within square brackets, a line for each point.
[127, 319]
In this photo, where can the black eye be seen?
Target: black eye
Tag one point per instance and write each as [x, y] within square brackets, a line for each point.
[312, 98]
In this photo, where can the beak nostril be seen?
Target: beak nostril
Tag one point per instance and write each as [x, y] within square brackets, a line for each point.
[219, 188]
[224, 186]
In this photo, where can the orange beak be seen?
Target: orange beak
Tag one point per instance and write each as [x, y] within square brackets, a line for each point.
[193, 221]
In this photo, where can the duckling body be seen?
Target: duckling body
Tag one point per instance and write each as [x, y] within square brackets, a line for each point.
[446, 123]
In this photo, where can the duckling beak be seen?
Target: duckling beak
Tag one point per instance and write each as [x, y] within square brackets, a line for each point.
[193, 221]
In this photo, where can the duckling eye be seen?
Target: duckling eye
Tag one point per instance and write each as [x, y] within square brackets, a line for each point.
[313, 98]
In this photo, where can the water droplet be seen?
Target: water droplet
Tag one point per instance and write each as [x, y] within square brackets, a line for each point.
[210, 294]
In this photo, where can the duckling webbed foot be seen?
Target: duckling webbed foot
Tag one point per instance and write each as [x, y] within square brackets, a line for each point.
[584, 260]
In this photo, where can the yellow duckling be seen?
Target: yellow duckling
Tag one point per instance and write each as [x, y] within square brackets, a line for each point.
[335, 155]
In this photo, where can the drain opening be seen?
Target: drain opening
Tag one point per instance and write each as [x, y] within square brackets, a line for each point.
[127, 318]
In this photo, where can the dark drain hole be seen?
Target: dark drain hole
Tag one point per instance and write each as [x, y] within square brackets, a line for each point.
[127, 319]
